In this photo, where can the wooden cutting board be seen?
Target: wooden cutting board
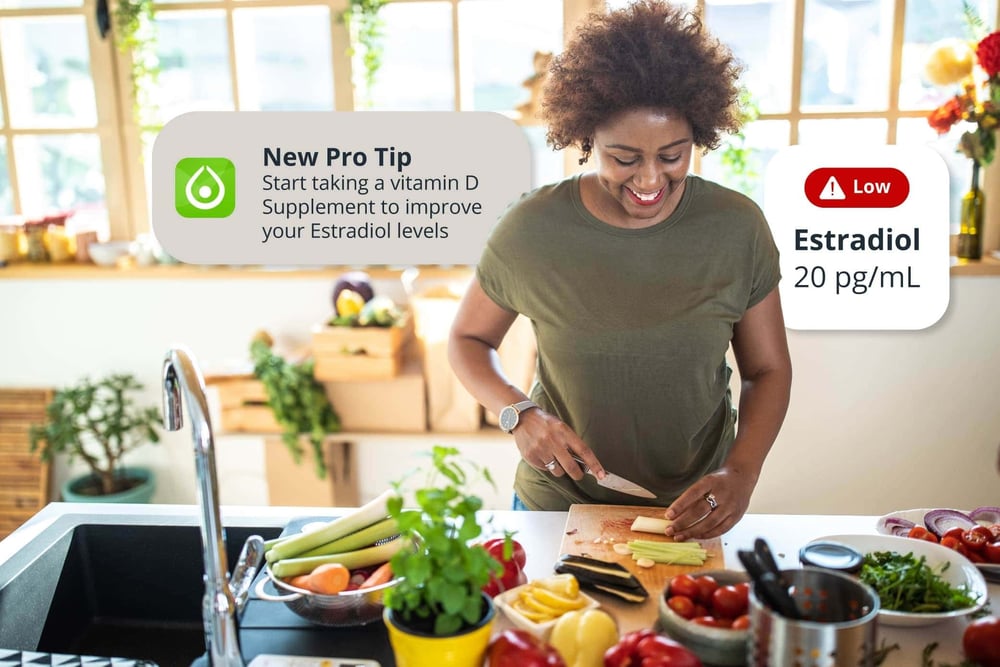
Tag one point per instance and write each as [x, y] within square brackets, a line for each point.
[592, 530]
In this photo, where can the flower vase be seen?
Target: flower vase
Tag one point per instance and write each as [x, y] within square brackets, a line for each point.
[971, 223]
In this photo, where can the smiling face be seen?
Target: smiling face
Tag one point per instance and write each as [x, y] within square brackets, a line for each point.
[643, 157]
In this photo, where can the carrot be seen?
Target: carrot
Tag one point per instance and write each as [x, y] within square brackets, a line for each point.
[301, 581]
[382, 575]
[329, 579]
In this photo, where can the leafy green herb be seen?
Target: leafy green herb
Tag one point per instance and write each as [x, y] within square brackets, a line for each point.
[298, 401]
[906, 583]
[926, 661]
[443, 575]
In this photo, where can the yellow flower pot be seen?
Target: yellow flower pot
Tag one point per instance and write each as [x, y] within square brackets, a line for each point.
[422, 650]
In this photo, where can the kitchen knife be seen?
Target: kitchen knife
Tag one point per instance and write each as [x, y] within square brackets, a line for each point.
[616, 482]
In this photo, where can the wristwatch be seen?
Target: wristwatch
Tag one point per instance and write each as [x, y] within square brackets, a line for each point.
[511, 414]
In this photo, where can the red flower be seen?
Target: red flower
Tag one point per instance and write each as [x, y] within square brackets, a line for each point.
[988, 53]
[946, 115]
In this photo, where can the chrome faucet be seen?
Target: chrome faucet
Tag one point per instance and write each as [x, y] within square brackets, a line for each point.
[221, 605]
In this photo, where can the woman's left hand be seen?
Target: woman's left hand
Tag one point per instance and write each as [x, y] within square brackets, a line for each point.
[712, 505]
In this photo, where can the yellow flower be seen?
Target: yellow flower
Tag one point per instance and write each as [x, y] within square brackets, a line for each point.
[949, 61]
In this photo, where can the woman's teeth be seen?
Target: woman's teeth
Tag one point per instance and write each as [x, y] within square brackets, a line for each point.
[646, 197]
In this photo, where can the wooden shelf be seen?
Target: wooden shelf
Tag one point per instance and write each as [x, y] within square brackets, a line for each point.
[987, 266]
[28, 271]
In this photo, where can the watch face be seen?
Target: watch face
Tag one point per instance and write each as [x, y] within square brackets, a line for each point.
[507, 419]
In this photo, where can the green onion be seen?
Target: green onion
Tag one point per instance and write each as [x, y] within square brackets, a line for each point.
[673, 553]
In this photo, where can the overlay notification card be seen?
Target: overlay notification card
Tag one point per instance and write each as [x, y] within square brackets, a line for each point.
[326, 188]
[863, 236]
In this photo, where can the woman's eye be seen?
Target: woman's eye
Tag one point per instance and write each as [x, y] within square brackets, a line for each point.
[625, 163]
[670, 160]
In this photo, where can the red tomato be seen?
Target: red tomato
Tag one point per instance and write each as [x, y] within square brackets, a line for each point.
[921, 533]
[708, 621]
[974, 541]
[985, 532]
[981, 641]
[744, 590]
[951, 541]
[706, 587]
[684, 584]
[700, 609]
[995, 529]
[975, 556]
[955, 532]
[727, 602]
[682, 605]
[993, 552]
[667, 652]
[741, 622]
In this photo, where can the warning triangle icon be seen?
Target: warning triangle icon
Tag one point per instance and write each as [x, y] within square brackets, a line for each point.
[832, 190]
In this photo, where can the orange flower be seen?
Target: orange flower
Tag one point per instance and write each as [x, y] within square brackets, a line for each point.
[946, 115]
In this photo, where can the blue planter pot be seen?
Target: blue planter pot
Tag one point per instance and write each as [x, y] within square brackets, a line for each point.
[140, 493]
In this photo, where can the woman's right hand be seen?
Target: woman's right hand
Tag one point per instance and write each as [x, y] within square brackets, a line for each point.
[549, 445]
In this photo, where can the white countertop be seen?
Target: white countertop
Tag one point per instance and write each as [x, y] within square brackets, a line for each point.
[541, 534]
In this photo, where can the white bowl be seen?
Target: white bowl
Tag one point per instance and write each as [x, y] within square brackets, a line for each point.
[108, 254]
[960, 571]
[541, 630]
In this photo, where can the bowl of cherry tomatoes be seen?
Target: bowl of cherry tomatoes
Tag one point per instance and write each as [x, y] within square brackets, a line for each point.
[707, 612]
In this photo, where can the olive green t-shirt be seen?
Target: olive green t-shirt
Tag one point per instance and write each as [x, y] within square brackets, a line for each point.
[633, 326]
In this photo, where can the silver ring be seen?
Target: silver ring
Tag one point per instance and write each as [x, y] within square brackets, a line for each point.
[712, 502]
[551, 465]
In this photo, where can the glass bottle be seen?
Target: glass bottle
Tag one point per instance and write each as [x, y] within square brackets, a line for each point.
[971, 224]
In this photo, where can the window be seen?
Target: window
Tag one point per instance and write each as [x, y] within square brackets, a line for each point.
[819, 71]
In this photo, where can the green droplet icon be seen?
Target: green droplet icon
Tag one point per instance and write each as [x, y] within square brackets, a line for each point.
[205, 187]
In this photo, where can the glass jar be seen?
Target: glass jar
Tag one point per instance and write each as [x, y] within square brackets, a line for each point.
[10, 243]
[60, 244]
[38, 250]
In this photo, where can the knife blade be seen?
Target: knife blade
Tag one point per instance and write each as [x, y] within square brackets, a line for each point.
[616, 482]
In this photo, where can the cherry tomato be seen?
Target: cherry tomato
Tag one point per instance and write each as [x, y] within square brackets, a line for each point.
[682, 605]
[921, 533]
[700, 609]
[975, 556]
[951, 541]
[995, 529]
[708, 621]
[974, 541]
[684, 584]
[706, 588]
[993, 552]
[955, 532]
[981, 641]
[727, 602]
[744, 590]
[741, 622]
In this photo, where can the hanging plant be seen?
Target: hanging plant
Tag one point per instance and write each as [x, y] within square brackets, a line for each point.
[365, 27]
[735, 155]
[135, 36]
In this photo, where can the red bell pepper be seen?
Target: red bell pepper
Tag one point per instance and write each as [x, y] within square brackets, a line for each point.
[646, 648]
[519, 648]
[513, 574]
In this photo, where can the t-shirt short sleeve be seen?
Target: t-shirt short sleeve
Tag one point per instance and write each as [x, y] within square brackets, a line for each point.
[766, 268]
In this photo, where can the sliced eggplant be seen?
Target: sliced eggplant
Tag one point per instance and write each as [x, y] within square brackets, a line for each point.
[630, 595]
[602, 577]
[614, 571]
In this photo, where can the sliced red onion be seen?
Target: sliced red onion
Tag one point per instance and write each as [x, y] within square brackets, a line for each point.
[898, 527]
[985, 515]
[941, 521]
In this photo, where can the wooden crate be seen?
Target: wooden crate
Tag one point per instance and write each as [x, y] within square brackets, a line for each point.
[242, 403]
[360, 353]
[24, 479]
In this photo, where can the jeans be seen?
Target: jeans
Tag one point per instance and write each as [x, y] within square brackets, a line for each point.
[518, 505]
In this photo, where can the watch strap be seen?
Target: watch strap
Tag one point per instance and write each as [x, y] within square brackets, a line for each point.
[524, 405]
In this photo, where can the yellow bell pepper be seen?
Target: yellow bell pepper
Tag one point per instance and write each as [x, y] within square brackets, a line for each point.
[582, 637]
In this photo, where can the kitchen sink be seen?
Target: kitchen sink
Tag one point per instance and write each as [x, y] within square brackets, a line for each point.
[128, 584]
[131, 591]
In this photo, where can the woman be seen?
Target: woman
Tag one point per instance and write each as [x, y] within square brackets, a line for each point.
[636, 277]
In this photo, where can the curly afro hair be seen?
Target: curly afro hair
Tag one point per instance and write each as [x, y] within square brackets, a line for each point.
[650, 54]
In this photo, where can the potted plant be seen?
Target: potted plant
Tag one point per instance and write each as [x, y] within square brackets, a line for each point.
[98, 421]
[438, 614]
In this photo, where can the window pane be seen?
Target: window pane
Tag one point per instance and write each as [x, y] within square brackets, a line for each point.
[926, 23]
[845, 60]
[618, 4]
[6, 192]
[59, 172]
[763, 139]
[283, 59]
[47, 69]
[417, 72]
[546, 164]
[840, 132]
[193, 48]
[32, 4]
[759, 33]
[916, 131]
[498, 41]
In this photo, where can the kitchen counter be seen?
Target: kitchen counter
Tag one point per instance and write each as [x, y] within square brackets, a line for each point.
[539, 532]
